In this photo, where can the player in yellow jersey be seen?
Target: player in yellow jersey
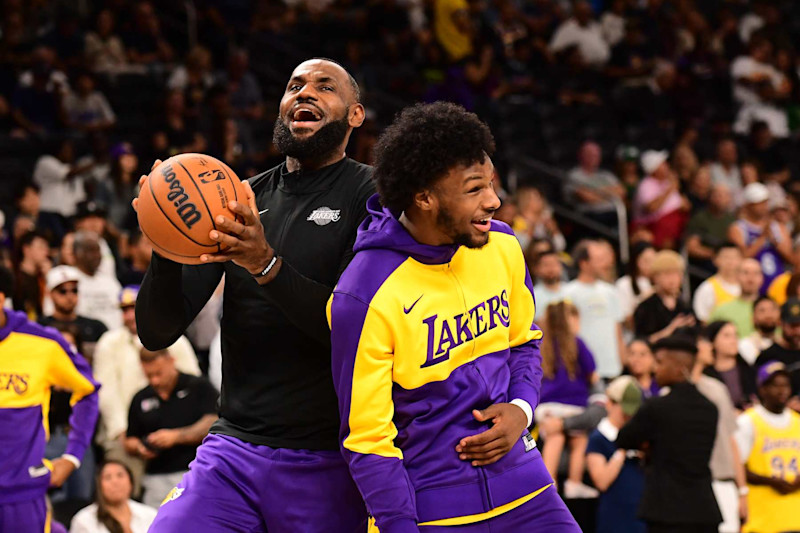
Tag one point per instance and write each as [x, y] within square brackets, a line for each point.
[33, 359]
[769, 441]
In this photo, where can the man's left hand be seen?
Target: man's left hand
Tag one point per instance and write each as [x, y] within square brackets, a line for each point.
[743, 508]
[163, 438]
[62, 468]
[508, 423]
[247, 246]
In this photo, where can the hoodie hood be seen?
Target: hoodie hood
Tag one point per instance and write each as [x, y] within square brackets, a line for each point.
[14, 320]
[382, 230]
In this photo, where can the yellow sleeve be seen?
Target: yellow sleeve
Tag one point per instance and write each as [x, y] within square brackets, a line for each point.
[70, 374]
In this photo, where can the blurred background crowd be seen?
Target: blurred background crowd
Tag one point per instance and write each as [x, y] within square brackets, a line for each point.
[647, 160]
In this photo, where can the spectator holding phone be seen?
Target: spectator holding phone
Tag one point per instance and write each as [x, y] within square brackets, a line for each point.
[167, 421]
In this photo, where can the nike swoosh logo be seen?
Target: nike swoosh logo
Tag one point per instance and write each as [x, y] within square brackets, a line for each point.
[407, 310]
[262, 212]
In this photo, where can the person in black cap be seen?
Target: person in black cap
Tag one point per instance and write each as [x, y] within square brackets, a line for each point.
[787, 348]
[678, 429]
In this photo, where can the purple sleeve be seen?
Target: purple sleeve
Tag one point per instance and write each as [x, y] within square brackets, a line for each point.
[586, 359]
[84, 415]
[526, 363]
[382, 480]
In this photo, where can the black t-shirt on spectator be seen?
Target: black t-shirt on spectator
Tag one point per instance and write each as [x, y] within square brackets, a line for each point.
[770, 160]
[788, 357]
[90, 330]
[192, 398]
[652, 315]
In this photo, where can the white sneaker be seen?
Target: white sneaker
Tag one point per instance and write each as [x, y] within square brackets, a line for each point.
[575, 491]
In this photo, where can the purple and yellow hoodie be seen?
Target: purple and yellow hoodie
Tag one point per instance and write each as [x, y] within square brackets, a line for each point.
[33, 359]
[421, 336]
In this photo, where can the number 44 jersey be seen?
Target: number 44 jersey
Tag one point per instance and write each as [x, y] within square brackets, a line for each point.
[775, 453]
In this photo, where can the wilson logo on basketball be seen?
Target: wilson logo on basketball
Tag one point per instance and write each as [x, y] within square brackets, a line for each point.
[177, 195]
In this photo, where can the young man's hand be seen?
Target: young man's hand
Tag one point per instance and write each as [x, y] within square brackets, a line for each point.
[62, 468]
[508, 424]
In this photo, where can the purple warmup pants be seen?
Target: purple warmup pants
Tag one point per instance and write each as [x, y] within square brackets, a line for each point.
[234, 486]
[546, 512]
[25, 517]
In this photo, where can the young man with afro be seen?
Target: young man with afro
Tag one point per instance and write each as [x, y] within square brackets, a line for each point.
[435, 354]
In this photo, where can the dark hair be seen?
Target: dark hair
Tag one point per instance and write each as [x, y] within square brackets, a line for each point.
[763, 299]
[29, 237]
[793, 286]
[677, 343]
[758, 126]
[26, 240]
[103, 515]
[353, 82]
[23, 190]
[712, 330]
[581, 252]
[6, 282]
[422, 145]
[633, 265]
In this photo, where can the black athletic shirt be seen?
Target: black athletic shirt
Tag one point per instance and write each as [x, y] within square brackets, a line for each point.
[277, 388]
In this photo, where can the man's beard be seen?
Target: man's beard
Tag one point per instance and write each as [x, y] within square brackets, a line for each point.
[447, 222]
[327, 139]
[766, 329]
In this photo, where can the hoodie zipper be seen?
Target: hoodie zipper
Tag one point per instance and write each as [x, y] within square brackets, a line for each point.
[481, 472]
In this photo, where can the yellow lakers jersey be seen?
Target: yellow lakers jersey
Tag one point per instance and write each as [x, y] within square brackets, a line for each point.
[775, 453]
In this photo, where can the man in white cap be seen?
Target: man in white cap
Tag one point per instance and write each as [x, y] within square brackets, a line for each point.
[659, 206]
[62, 285]
[760, 237]
[117, 367]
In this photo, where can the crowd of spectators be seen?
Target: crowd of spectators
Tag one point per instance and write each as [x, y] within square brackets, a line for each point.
[682, 114]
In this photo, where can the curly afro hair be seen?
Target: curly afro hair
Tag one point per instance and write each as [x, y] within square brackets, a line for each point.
[423, 144]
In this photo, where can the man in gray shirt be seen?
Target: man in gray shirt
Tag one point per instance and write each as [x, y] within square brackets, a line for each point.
[591, 189]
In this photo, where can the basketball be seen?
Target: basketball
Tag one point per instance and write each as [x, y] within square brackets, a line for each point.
[179, 204]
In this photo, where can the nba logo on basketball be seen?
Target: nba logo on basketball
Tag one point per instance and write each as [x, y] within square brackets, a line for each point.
[211, 176]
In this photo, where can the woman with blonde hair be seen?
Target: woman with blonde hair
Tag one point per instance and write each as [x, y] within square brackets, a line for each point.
[568, 374]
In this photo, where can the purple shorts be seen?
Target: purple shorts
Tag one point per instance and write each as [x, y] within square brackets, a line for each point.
[25, 517]
[236, 486]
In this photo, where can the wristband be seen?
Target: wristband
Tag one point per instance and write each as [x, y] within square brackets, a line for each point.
[526, 408]
[268, 268]
[72, 459]
[744, 490]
